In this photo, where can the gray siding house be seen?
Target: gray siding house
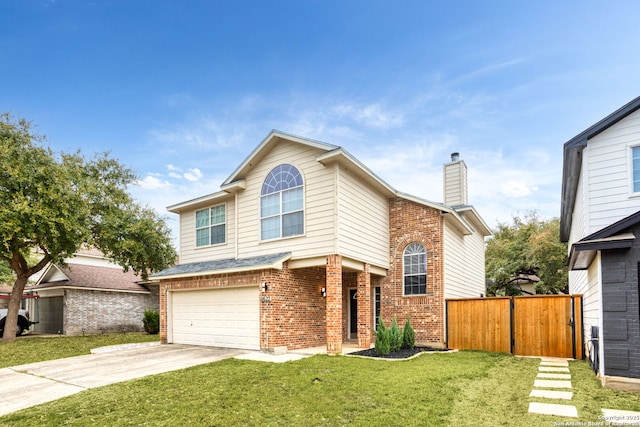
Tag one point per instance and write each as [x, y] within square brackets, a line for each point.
[600, 221]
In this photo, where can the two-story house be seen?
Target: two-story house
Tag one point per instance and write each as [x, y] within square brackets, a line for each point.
[600, 220]
[305, 246]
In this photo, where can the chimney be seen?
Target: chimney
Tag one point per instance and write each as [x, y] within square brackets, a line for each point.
[455, 182]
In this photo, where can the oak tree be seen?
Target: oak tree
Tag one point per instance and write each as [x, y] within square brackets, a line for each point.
[528, 246]
[54, 203]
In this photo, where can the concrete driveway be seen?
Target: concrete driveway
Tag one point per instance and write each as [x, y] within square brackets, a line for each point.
[29, 385]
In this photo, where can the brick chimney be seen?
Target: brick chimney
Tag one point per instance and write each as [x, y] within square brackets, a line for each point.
[455, 182]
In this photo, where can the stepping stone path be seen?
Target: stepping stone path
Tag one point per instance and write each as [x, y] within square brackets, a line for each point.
[553, 382]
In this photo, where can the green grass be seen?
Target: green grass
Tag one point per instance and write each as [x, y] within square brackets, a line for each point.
[37, 349]
[454, 389]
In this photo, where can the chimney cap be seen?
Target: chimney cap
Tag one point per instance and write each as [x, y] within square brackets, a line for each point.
[455, 156]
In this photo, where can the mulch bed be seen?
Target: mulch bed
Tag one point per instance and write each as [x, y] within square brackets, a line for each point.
[404, 353]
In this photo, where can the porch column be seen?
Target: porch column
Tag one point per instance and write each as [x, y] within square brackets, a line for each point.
[364, 308]
[162, 295]
[334, 304]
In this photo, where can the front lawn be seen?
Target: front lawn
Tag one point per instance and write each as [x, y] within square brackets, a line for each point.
[466, 388]
[28, 349]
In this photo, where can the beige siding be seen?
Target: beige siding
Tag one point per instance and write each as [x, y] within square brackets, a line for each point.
[363, 221]
[455, 184]
[319, 190]
[188, 250]
[607, 157]
[464, 273]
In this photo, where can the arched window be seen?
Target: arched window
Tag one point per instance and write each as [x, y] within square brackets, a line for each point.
[415, 269]
[282, 203]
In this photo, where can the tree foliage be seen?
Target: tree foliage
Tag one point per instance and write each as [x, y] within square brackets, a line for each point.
[55, 203]
[528, 246]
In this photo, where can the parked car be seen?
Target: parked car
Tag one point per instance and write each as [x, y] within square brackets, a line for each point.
[23, 321]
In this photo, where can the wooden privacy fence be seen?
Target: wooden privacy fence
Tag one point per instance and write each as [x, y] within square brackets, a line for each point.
[538, 325]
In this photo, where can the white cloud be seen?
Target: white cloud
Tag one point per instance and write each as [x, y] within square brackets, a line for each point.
[371, 115]
[151, 182]
[200, 134]
[193, 175]
[516, 189]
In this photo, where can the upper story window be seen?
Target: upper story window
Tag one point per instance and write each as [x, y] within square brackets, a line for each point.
[282, 203]
[211, 226]
[415, 269]
[635, 164]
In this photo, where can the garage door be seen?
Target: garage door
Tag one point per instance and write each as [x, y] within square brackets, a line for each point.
[217, 317]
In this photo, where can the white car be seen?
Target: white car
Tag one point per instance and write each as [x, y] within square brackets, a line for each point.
[23, 321]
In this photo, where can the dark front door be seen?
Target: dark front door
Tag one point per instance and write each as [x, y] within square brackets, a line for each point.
[353, 314]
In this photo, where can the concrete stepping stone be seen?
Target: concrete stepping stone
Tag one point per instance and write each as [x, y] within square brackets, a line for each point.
[553, 359]
[551, 394]
[552, 369]
[621, 418]
[552, 384]
[553, 409]
[553, 375]
[558, 364]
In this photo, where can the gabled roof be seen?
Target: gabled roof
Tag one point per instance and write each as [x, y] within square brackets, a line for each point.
[229, 265]
[332, 153]
[265, 146]
[615, 236]
[89, 277]
[572, 163]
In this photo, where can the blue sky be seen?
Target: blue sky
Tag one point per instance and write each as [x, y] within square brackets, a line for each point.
[181, 92]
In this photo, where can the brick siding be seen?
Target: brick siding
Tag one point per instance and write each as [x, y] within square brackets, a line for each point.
[411, 222]
[294, 314]
[95, 312]
[292, 310]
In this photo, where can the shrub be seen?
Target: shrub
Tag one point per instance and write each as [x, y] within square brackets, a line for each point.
[408, 335]
[395, 336]
[151, 321]
[382, 339]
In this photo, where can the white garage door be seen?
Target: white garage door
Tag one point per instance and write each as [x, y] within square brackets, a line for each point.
[217, 317]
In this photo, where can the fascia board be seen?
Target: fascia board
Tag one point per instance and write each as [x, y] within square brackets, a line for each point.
[270, 139]
[204, 200]
[343, 156]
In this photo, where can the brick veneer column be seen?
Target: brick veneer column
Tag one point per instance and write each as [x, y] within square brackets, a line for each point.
[163, 312]
[364, 308]
[334, 304]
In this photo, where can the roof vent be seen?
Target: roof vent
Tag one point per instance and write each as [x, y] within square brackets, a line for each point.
[455, 157]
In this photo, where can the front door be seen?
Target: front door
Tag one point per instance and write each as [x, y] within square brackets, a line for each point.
[353, 314]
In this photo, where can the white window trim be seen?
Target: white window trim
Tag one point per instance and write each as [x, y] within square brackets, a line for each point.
[630, 148]
[426, 266]
[280, 215]
[196, 228]
[376, 313]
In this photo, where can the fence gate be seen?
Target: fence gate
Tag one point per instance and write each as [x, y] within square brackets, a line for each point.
[539, 325]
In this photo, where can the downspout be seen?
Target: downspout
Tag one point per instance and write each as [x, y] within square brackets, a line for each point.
[336, 222]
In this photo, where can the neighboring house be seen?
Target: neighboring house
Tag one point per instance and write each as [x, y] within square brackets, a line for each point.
[91, 295]
[305, 246]
[600, 220]
[5, 293]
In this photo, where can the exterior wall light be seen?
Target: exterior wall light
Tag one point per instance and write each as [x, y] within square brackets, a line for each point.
[264, 287]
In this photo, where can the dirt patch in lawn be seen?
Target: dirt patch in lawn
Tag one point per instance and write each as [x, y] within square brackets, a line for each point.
[404, 353]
